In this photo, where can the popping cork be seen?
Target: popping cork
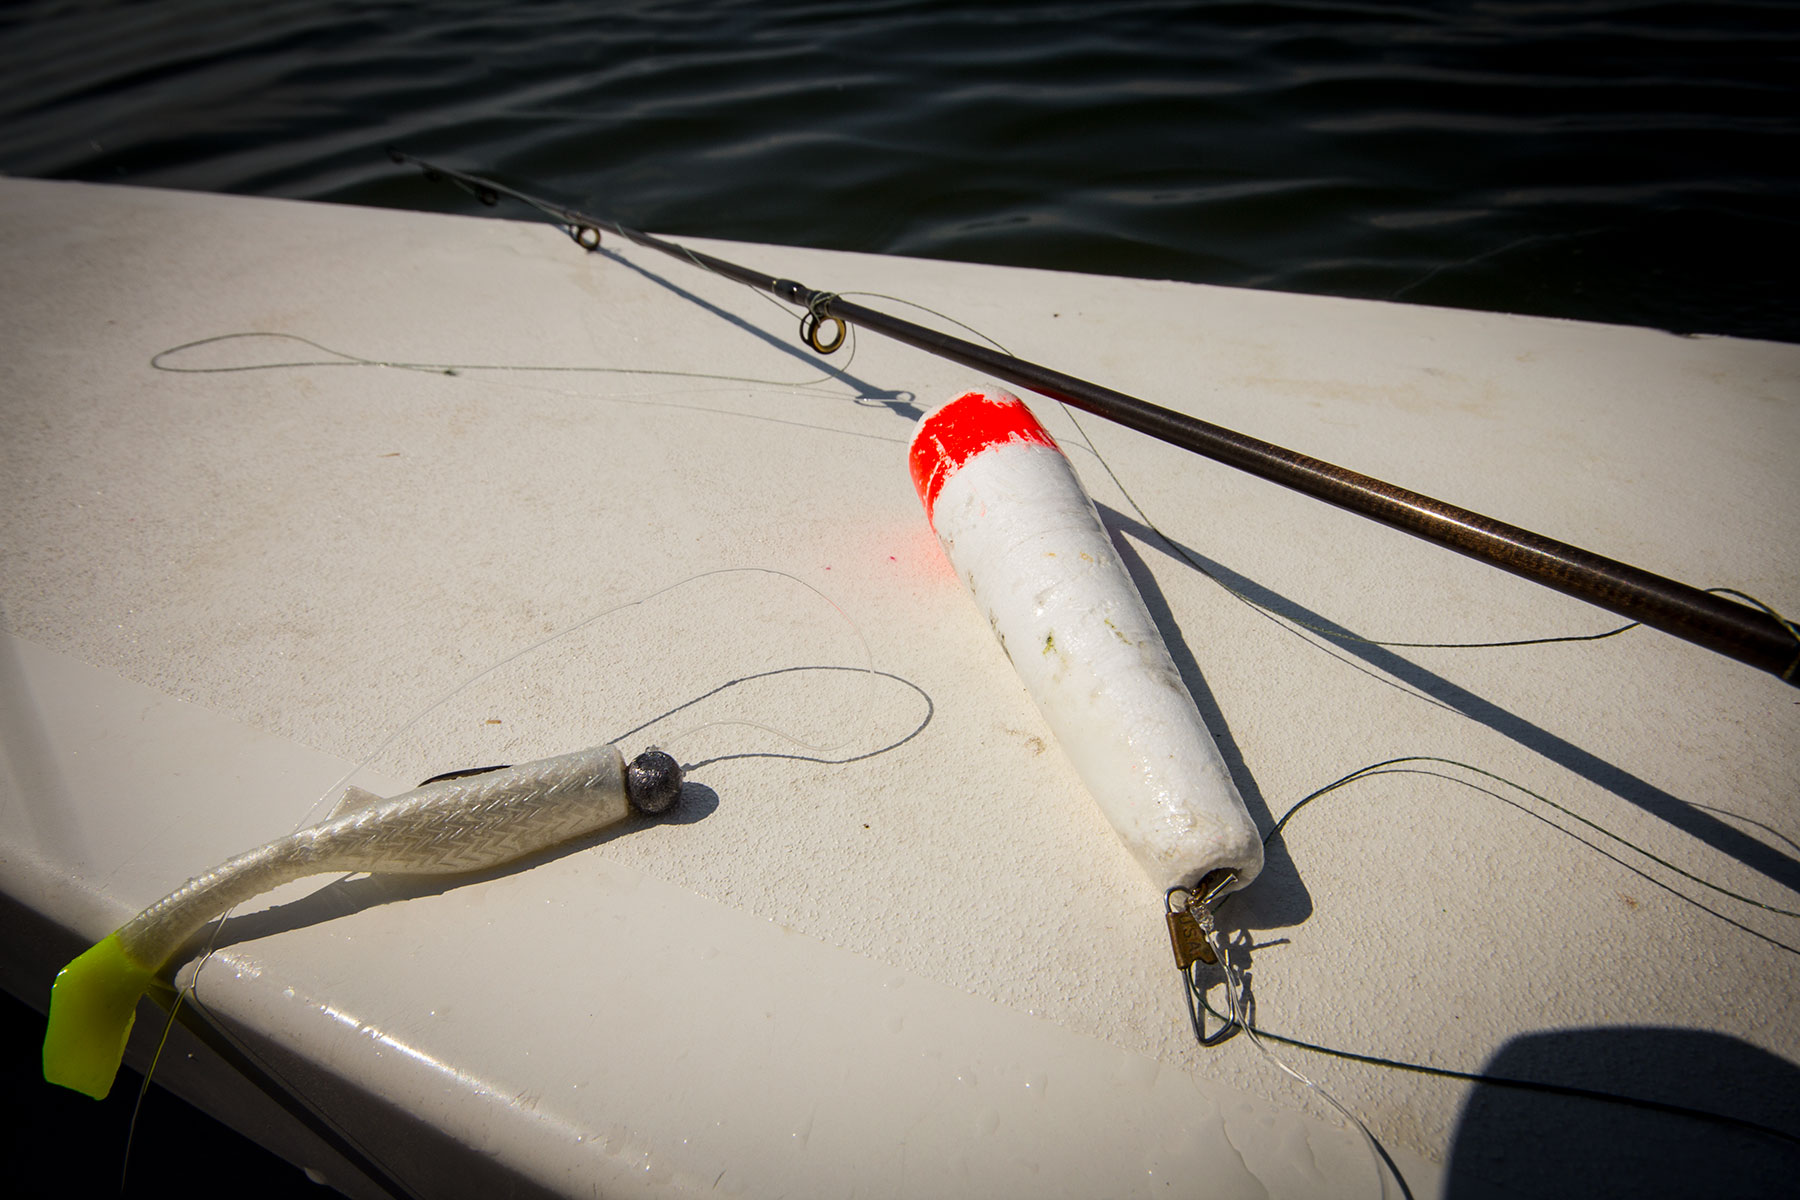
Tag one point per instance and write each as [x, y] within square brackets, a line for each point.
[1023, 535]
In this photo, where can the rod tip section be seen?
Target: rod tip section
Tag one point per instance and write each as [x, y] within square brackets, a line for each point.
[92, 1006]
[653, 782]
[955, 432]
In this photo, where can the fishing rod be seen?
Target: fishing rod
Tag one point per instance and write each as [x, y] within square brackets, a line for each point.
[1757, 637]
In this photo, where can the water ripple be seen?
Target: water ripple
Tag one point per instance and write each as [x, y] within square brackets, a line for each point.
[1604, 159]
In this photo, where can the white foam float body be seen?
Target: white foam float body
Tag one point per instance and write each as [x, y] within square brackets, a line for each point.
[447, 826]
[1023, 534]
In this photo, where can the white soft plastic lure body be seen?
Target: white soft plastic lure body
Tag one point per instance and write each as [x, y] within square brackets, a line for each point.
[447, 826]
[1023, 534]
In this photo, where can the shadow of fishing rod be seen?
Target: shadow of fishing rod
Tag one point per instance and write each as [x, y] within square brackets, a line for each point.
[1748, 633]
[901, 402]
[1758, 638]
[1690, 819]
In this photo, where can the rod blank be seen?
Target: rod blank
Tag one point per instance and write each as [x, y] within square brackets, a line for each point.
[1719, 624]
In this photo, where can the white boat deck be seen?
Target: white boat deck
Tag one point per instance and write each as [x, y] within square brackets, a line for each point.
[890, 948]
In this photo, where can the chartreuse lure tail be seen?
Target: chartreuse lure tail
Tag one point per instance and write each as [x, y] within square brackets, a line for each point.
[445, 827]
[92, 1007]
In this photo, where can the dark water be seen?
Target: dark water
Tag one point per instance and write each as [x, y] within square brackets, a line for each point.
[1615, 161]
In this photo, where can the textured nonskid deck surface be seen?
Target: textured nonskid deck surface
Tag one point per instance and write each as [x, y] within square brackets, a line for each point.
[277, 476]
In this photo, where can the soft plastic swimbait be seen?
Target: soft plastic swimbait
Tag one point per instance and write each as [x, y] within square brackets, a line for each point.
[1022, 533]
[444, 827]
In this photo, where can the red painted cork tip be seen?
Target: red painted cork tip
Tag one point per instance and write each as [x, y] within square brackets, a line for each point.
[952, 434]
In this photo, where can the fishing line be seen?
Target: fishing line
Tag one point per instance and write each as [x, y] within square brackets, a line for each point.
[189, 991]
[1278, 619]
[938, 313]
[343, 358]
[652, 399]
[1198, 1001]
[1385, 769]
[137, 1105]
[1240, 1014]
[1338, 635]
[1192, 909]
[818, 308]
[1180, 551]
[1395, 766]
[817, 316]
[1390, 765]
[584, 230]
[1239, 1004]
[1334, 634]
[347, 359]
[930, 711]
[1237, 992]
[868, 666]
[217, 1037]
[1689, 613]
